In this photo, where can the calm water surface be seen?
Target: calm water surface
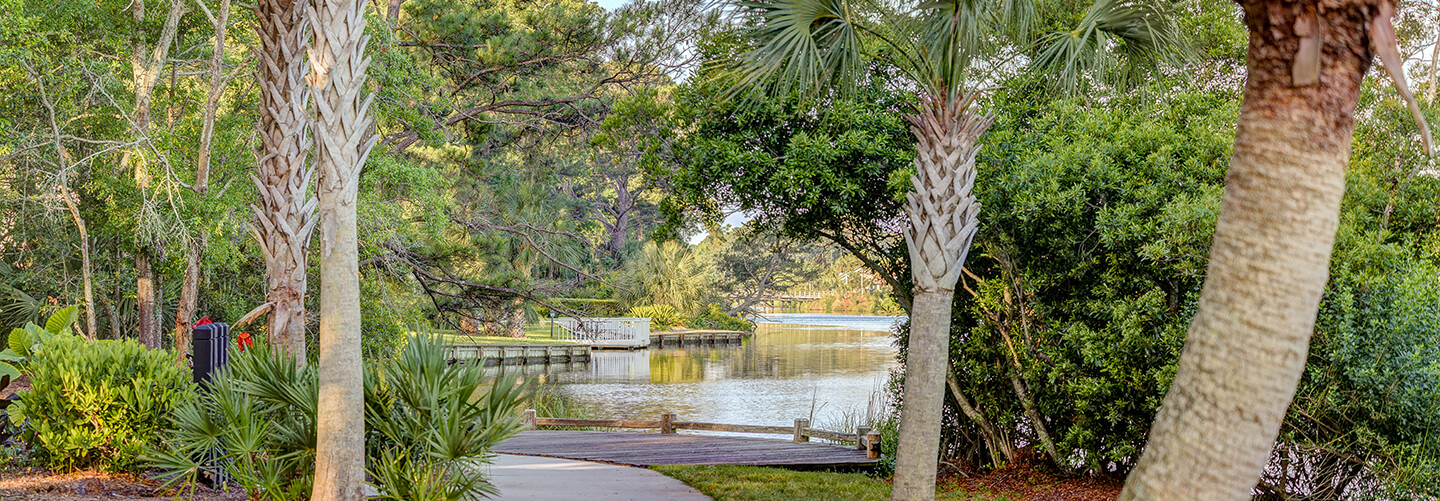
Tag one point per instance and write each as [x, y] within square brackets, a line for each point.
[836, 363]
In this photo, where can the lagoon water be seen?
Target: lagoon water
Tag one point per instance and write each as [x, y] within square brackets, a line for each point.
[837, 364]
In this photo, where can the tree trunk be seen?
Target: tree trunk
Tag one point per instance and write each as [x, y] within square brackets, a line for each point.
[212, 99]
[148, 330]
[342, 128]
[999, 448]
[1434, 65]
[145, 67]
[189, 296]
[1037, 422]
[70, 202]
[516, 326]
[284, 212]
[943, 214]
[1246, 348]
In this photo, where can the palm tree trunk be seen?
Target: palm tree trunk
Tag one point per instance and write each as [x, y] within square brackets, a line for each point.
[342, 127]
[284, 213]
[516, 326]
[1246, 348]
[943, 214]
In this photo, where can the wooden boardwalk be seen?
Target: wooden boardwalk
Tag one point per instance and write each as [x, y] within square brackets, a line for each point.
[511, 354]
[647, 449]
[694, 336]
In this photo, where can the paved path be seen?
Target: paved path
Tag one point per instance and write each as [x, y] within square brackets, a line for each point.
[646, 449]
[541, 478]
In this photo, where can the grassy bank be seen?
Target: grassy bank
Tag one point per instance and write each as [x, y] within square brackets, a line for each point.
[536, 333]
[753, 483]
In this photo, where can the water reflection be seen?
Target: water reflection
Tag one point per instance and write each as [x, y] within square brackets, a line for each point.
[833, 362]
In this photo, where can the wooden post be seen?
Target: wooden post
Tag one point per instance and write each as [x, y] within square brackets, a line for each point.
[665, 423]
[800, 425]
[872, 445]
[529, 419]
[860, 432]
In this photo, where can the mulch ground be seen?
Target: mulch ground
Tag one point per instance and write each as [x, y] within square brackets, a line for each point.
[16, 386]
[1029, 478]
[41, 485]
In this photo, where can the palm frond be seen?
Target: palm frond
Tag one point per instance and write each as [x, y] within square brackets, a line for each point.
[803, 46]
[1116, 43]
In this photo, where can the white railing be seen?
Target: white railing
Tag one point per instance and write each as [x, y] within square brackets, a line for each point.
[605, 332]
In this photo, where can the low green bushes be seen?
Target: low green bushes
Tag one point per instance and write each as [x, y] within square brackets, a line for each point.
[429, 425]
[714, 317]
[662, 316]
[93, 403]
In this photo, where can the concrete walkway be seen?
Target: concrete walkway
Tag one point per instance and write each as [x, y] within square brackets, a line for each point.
[541, 478]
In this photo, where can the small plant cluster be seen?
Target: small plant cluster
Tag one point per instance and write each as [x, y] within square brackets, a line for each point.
[665, 317]
[92, 403]
[662, 317]
[430, 425]
[714, 317]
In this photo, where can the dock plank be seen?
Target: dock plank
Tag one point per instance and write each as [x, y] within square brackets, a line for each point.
[648, 449]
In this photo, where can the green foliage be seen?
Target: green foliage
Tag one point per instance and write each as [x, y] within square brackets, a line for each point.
[1095, 237]
[432, 424]
[98, 403]
[429, 425]
[1095, 228]
[662, 317]
[807, 170]
[23, 342]
[714, 317]
[666, 273]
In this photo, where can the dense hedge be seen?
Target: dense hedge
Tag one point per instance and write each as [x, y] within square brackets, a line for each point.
[1095, 234]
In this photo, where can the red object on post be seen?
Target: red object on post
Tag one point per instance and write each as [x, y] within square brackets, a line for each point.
[203, 321]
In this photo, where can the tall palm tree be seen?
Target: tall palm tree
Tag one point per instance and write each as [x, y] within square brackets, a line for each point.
[945, 50]
[343, 140]
[285, 213]
[1246, 348]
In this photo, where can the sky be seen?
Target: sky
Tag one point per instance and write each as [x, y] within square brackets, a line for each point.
[611, 4]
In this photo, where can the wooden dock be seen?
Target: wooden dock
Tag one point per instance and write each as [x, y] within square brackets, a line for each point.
[648, 449]
[520, 354]
[689, 336]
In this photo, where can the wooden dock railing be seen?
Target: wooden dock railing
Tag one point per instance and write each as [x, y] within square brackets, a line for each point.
[864, 438]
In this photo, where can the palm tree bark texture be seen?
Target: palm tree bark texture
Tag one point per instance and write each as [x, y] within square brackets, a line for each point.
[343, 140]
[943, 220]
[1247, 345]
[284, 213]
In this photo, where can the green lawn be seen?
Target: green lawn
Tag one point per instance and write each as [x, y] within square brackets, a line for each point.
[536, 333]
[753, 483]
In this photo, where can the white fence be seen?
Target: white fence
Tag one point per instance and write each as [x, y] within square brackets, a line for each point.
[606, 332]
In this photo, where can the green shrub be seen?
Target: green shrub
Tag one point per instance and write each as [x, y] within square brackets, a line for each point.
[715, 317]
[429, 425]
[22, 340]
[662, 316]
[96, 403]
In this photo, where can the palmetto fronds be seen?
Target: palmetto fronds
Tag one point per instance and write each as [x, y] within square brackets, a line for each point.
[807, 46]
[1118, 41]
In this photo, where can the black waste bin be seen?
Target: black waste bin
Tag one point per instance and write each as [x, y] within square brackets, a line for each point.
[211, 345]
